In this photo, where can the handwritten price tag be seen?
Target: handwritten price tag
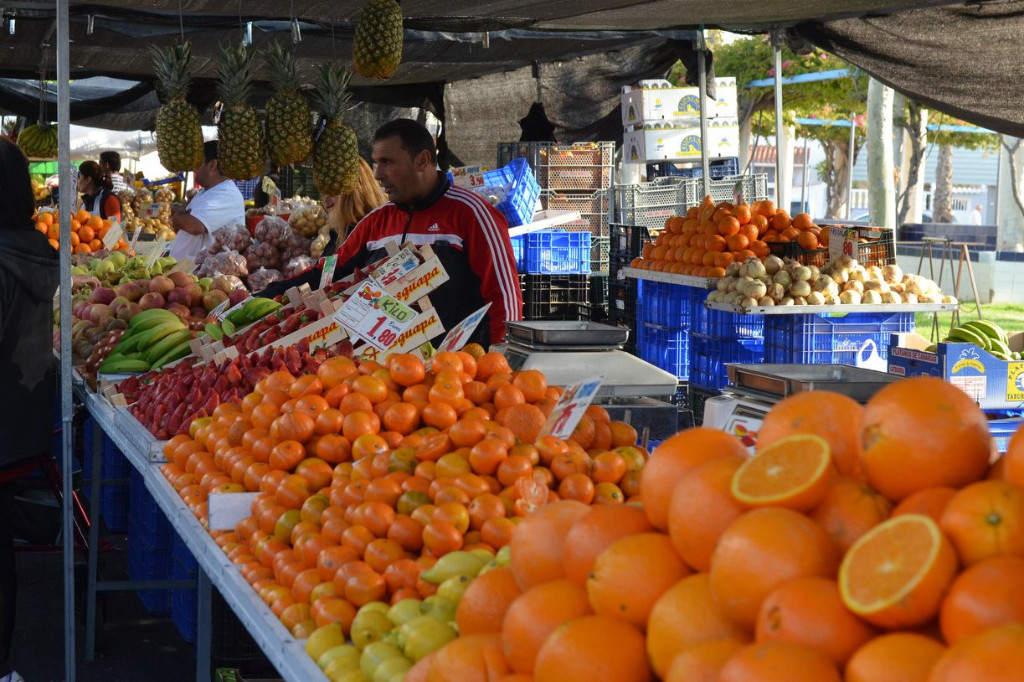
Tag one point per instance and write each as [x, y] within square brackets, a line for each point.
[456, 338]
[468, 176]
[374, 316]
[570, 408]
[842, 241]
[396, 267]
[112, 235]
[327, 274]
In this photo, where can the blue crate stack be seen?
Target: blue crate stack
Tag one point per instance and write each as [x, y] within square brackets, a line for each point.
[718, 338]
[663, 326]
[824, 339]
[150, 544]
[555, 252]
[113, 496]
[183, 601]
[521, 200]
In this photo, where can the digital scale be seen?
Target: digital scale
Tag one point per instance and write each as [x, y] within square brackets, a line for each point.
[568, 351]
[755, 389]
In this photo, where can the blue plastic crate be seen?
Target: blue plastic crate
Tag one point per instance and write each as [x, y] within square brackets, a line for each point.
[723, 325]
[668, 305]
[518, 251]
[520, 202]
[146, 519]
[183, 601]
[710, 355]
[717, 169]
[1002, 431]
[114, 508]
[823, 339]
[556, 252]
[147, 562]
[664, 347]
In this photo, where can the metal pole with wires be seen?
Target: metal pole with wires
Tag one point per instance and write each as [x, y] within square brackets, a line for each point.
[780, 189]
[67, 192]
[849, 165]
[702, 81]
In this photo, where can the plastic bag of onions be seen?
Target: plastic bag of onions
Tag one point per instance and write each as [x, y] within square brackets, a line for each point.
[306, 222]
[229, 263]
[262, 255]
[262, 278]
[297, 265]
[231, 238]
[271, 229]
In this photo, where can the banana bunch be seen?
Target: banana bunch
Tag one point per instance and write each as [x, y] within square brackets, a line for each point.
[254, 308]
[38, 141]
[154, 338]
[986, 335]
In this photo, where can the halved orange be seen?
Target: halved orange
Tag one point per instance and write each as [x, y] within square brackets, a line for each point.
[897, 573]
[793, 472]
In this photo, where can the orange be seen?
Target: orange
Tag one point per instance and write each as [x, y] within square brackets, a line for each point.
[702, 507]
[684, 616]
[672, 459]
[485, 602]
[896, 574]
[761, 550]
[894, 657]
[807, 240]
[470, 658]
[994, 655]
[630, 576]
[1013, 460]
[920, 433]
[534, 615]
[592, 533]
[524, 420]
[850, 509]
[538, 543]
[593, 648]
[702, 662]
[778, 662]
[490, 364]
[406, 369]
[930, 502]
[989, 593]
[835, 417]
[532, 383]
[985, 519]
[809, 611]
[793, 472]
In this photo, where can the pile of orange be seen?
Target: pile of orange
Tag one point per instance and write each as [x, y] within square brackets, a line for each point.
[873, 543]
[87, 231]
[712, 236]
[368, 473]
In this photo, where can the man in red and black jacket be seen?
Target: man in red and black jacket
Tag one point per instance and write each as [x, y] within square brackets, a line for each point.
[469, 236]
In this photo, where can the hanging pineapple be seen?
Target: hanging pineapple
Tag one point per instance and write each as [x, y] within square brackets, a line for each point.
[179, 136]
[377, 45]
[241, 146]
[336, 150]
[288, 115]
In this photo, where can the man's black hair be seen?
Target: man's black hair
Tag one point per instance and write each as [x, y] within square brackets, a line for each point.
[209, 150]
[414, 136]
[112, 159]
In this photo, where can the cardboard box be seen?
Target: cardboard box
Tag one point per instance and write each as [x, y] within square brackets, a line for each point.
[993, 383]
[657, 100]
[666, 144]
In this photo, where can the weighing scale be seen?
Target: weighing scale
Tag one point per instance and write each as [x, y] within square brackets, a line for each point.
[568, 351]
[755, 389]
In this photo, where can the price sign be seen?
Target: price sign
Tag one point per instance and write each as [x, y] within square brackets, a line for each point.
[222, 309]
[395, 267]
[468, 176]
[156, 252]
[570, 408]
[374, 316]
[842, 241]
[112, 235]
[135, 239]
[456, 338]
[327, 274]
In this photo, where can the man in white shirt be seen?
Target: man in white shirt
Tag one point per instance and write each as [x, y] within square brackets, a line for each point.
[110, 161]
[219, 204]
[976, 215]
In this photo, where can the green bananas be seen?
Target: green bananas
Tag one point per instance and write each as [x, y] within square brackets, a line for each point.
[154, 338]
[39, 141]
[253, 309]
[986, 335]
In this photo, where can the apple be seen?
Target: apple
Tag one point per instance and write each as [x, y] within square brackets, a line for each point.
[181, 279]
[128, 311]
[80, 309]
[151, 300]
[205, 282]
[238, 295]
[181, 311]
[133, 291]
[195, 294]
[198, 312]
[222, 284]
[213, 298]
[102, 295]
[100, 313]
[118, 303]
[180, 296]
[161, 285]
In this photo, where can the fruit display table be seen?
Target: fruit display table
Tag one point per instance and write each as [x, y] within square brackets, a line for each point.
[833, 309]
[670, 278]
[281, 649]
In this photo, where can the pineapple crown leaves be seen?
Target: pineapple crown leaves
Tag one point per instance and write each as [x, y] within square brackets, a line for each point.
[234, 71]
[331, 96]
[171, 68]
[282, 68]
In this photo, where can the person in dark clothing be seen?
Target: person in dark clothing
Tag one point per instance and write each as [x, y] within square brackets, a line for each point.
[469, 236]
[29, 275]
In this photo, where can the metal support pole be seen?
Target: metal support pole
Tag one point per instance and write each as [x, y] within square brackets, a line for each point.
[780, 191]
[849, 161]
[66, 193]
[702, 82]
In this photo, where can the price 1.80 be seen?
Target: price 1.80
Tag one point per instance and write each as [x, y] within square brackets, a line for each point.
[385, 337]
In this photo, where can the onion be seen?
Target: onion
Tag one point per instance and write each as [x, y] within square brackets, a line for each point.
[850, 297]
[773, 264]
[800, 288]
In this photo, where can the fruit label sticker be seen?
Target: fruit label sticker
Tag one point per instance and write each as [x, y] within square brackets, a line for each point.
[842, 241]
[374, 316]
[112, 235]
[1015, 382]
[327, 274]
[396, 267]
[570, 408]
[460, 333]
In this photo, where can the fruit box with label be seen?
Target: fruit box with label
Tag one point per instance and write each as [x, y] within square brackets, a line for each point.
[682, 143]
[657, 100]
[993, 383]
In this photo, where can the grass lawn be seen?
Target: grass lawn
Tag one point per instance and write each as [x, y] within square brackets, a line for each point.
[1009, 316]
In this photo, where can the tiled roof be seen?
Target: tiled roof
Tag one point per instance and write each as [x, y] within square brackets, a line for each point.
[763, 153]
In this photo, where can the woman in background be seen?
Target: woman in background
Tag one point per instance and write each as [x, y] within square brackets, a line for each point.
[97, 190]
[345, 210]
[29, 275]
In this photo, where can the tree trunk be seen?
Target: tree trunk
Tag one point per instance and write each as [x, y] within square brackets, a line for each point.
[916, 141]
[942, 205]
[835, 171]
[1010, 226]
[881, 179]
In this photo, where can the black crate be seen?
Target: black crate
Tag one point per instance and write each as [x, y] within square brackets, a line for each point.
[629, 240]
[616, 262]
[622, 297]
[698, 396]
[599, 291]
[230, 641]
[557, 297]
[717, 169]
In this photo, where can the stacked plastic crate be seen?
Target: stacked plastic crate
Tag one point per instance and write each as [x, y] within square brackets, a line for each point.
[150, 544]
[114, 470]
[574, 177]
[627, 242]
[663, 326]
